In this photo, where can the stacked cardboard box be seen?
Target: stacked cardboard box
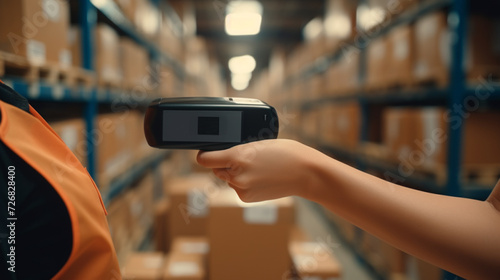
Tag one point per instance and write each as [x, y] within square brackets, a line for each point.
[377, 56]
[420, 136]
[313, 260]
[433, 42]
[115, 136]
[36, 30]
[134, 64]
[144, 266]
[119, 227]
[161, 236]
[107, 56]
[248, 241]
[340, 125]
[189, 205]
[400, 57]
[184, 267]
[141, 207]
[73, 133]
[343, 76]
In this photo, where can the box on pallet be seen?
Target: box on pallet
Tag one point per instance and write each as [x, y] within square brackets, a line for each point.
[248, 241]
[36, 30]
[73, 133]
[184, 267]
[189, 205]
[313, 260]
[107, 56]
[400, 57]
[160, 225]
[134, 64]
[144, 266]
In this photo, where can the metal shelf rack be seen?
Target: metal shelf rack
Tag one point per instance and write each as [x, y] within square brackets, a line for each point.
[91, 97]
[458, 92]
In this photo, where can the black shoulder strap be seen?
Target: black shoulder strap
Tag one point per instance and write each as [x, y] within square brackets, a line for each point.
[8, 95]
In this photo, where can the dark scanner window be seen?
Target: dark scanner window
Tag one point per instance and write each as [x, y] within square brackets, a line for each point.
[208, 125]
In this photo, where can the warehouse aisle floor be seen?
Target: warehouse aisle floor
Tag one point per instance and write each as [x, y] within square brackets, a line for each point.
[318, 231]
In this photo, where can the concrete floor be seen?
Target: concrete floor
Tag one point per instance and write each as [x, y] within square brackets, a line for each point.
[315, 227]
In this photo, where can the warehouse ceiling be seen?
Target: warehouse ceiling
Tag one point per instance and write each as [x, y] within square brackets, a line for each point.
[282, 23]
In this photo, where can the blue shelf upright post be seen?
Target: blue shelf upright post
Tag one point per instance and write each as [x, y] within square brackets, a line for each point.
[88, 20]
[457, 21]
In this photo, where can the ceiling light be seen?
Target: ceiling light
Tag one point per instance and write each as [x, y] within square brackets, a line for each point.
[243, 18]
[337, 26]
[242, 64]
[240, 81]
[312, 29]
[369, 17]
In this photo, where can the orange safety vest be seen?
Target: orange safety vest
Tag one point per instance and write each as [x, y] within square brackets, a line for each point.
[31, 138]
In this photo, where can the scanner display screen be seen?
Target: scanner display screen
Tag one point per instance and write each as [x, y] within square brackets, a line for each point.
[202, 126]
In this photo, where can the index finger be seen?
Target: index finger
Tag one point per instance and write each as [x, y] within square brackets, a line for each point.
[215, 159]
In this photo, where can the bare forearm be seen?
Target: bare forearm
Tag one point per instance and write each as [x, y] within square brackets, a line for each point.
[460, 235]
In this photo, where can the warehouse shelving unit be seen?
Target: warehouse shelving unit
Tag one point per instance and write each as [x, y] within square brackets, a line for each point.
[92, 97]
[458, 92]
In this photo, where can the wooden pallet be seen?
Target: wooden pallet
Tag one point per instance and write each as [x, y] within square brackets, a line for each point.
[18, 66]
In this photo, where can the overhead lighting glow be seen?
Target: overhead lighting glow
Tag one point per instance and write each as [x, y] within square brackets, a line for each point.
[313, 29]
[240, 81]
[337, 26]
[369, 17]
[243, 18]
[242, 64]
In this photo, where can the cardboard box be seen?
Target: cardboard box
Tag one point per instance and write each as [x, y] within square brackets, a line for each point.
[341, 125]
[248, 241]
[189, 205]
[191, 245]
[342, 78]
[377, 57]
[432, 49]
[128, 8]
[72, 132]
[107, 55]
[419, 137]
[160, 226]
[401, 56]
[184, 267]
[119, 227]
[134, 61]
[36, 30]
[116, 137]
[313, 259]
[75, 45]
[141, 209]
[144, 266]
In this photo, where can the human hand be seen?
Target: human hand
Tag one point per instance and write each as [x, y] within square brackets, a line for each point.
[264, 170]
